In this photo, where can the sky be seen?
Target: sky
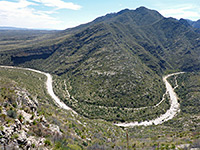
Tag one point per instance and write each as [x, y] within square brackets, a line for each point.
[62, 14]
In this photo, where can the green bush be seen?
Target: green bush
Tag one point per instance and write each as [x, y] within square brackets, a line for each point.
[15, 136]
[47, 142]
[12, 113]
[74, 147]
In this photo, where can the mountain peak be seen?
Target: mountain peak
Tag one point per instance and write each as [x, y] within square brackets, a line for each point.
[141, 8]
[139, 16]
[123, 11]
[145, 10]
[184, 22]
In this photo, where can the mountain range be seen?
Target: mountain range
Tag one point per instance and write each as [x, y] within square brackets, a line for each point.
[115, 61]
[142, 30]
[109, 70]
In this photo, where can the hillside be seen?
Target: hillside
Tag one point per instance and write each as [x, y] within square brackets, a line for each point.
[30, 119]
[115, 62]
[165, 41]
[109, 71]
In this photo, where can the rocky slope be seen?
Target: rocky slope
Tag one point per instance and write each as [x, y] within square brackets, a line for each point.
[21, 124]
[77, 132]
[55, 127]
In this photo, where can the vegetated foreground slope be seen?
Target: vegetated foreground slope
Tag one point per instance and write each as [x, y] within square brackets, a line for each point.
[29, 118]
[25, 102]
[189, 93]
[115, 62]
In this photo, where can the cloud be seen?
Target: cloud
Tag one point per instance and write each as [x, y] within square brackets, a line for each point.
[6, 5]
[21, 13]
[59, 4]
[183, 11]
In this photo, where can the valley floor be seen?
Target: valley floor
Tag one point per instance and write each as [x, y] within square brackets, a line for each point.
[182, 131]
[174, 108]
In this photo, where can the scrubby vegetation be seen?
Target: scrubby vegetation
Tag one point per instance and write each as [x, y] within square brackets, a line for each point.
[115, 112]
[105, 69]
[77, 132]
[81, 133]
[116, 61]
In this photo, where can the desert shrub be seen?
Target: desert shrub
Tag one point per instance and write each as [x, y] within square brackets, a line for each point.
[20, 117]
[1, 128]
[15, 136]
[12, 113]
[74, 147]
[47, 142]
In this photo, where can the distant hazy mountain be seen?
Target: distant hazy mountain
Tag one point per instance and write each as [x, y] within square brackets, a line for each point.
[12, 28]
[15, 28]
[195, 24]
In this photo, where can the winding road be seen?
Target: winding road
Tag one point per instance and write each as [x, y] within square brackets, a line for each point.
[49, 86]
[171, 112]
[174, 108]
